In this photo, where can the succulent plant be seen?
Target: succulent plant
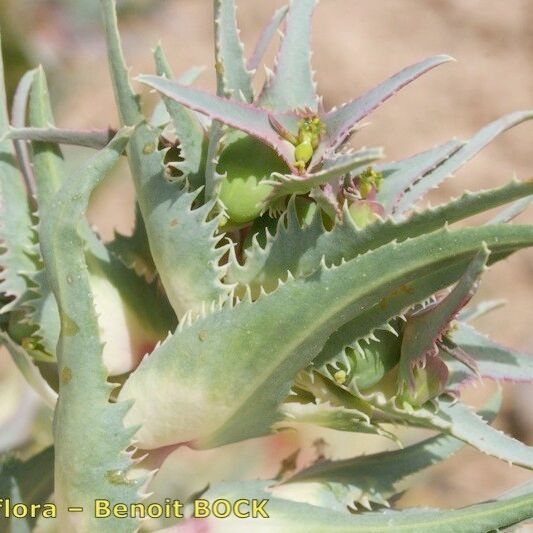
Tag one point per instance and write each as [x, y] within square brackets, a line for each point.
[275, 279]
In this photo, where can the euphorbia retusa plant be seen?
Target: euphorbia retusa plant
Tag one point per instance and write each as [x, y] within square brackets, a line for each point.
[275, 278]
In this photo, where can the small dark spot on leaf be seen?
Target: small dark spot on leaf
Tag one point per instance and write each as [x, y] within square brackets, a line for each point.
[118, 477]
[66, 375]
[203, 335]
[173, 222]
[149, 148]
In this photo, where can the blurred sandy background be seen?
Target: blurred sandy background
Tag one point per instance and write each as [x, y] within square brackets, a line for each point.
[357, 44]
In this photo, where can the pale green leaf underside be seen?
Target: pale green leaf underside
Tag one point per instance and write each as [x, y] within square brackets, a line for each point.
[230, 381]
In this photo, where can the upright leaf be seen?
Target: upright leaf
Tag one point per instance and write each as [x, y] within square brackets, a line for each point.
[292, 86]
[89, 435]
[233, 77]
[180, 252]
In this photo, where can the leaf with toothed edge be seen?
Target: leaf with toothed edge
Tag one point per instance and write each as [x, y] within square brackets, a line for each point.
[286, 185]
[230, 381]
[481, 139]
[182, 242]
[297, 517]
[133, 315]
[494, 361]
[266, 36]
[291, 86]
[233, 77]
[400, 175]
[340, 121]
[16, 233]
[300, 250]
[89, 435]
[248, 118]
[424, 329]
[374, 478]
[189, 131]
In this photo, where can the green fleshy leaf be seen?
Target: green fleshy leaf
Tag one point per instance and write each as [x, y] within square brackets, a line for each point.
[285, 515]
[132, 314]
[179, 250]
[233, 77]
[300, 250]
[481, 139]
[26, 482]
[230, 381]
[292, 86]
[88, 432]
[47, 159]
